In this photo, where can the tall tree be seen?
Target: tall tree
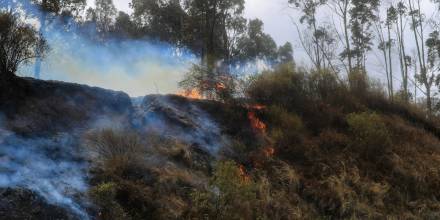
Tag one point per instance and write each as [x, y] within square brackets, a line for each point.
[404, 60]
[363, 13]
[424, 77]
[162, 20]
[318, 35]
[19, 43]
[285, 53]
[212, 20]
[255, 44]
[342, 9]
[105, 13]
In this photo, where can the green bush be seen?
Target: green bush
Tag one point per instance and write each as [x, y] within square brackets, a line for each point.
[285, 127]
[371, 136]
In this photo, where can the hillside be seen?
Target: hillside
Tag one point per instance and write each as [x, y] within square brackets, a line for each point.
[320, 150]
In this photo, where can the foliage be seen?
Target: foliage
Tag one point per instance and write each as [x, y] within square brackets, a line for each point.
[230, 190]
[19, 43]
[370, 134]
[104, 195]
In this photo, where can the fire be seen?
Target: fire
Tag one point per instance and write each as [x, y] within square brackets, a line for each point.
[243, 174]
[192, 94]
[220, 86]
[256, 123]
[269, 151]
[258, 107]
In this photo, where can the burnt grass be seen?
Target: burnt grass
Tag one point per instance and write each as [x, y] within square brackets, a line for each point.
[339, 152]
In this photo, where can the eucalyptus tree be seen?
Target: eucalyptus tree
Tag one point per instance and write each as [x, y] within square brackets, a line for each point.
[342, 9]
[363, 13]
[314, 40]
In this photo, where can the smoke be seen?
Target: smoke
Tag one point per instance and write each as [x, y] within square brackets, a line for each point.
[49, 166]
[179, 119]
[137, 67]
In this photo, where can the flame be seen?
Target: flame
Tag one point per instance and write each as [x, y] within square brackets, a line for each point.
[192, 94]
[243, 174]
[220, 86]
[258, 107]
[256, 123]
[269, 151]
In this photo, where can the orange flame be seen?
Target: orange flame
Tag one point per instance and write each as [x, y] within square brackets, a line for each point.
[192, 94]
[256, 123]
[269, 151]
[243, 174]
[259, 107]
[220, 86]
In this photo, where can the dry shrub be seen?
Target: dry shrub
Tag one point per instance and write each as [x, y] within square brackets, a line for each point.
[331, 140]
[106, 145]
[348, 196]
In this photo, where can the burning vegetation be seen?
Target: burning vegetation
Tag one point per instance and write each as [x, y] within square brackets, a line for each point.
[284, 144]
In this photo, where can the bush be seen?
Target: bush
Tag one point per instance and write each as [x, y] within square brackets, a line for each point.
[371, 136]
[104, 196]
[285, 127]
[116, 152]
[231, 195]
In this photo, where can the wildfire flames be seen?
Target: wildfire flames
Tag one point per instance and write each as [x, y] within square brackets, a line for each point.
[256, 123]
[192, 94]
[220, 86]
[243, 174]
[269, 151]
[258, 107]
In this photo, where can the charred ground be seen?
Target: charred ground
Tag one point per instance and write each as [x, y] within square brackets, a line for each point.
[322, 149]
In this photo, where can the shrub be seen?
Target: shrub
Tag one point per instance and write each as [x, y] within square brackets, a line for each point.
[104, 196]
[285, 127]
[371, 136]
[231, 195]
[116, 153]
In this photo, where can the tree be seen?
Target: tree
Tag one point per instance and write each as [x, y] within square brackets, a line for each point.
[313, 42]
[385, 45]
[425, 76]
[105, 13]
[342, 9]
[212, 21]
[48, 10]
[285, 53]
[255, 44]
[162, 20]
[363, 14]
[19, 43]
[429, 76]
[404, 60]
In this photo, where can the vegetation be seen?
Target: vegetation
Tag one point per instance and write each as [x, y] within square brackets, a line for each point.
[306, 143]
[324, 152]
[19, 43]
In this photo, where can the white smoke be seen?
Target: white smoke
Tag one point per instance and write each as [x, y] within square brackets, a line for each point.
[52, 167]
